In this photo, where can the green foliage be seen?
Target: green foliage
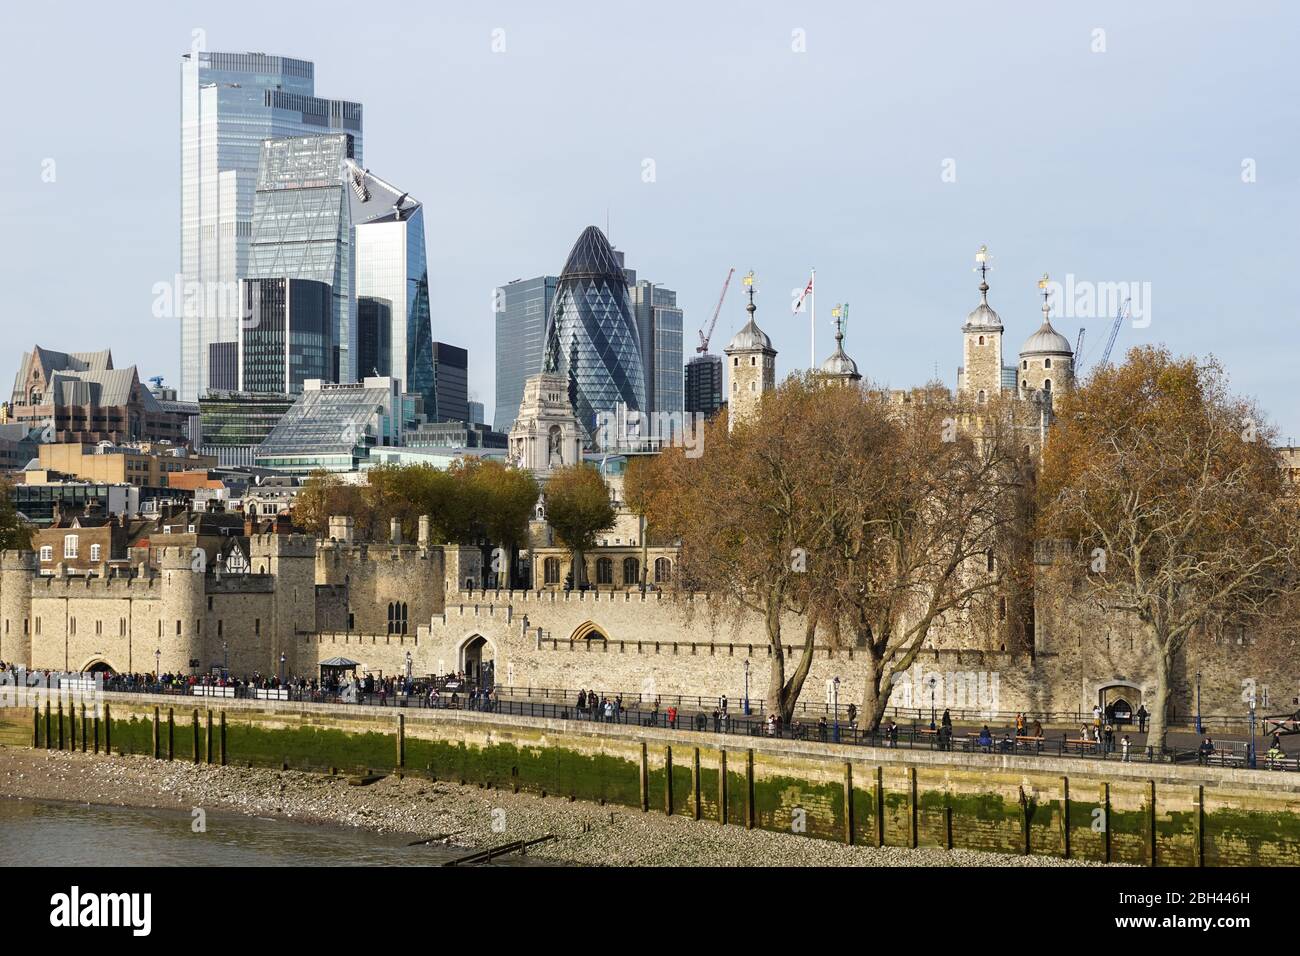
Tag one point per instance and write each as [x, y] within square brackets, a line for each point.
[15, 534]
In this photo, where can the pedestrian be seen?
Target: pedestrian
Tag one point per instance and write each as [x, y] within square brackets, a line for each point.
[1124, 745]
[1142, 718]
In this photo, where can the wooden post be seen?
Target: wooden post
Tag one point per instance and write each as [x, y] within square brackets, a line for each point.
[668, 781]
[157, 744]
[171, 733]
[947, 824]
[224, 754]
[848, 803]
[196, 735]
[83, 728]
[60, 725]
[208, 750]
[880, 806]
[749, 789]
[97, 731]
[1105, 822]
[108, 729]
[36, 727]
[645, 780]
[1065, 817]
[1024, 821]
[723, 813]
[911, 807]
[72, 726]
[401, 741]
[1151, 822]
[695, 783]
[1198, 823]
[49, 726]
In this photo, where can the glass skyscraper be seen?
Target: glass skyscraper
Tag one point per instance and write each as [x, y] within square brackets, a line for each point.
[451, 384]
[523, 308]
[302, 229]
[230, 103]
[286, 337]
[592, 337]
[660, 327]
[704, 385]
[392, 277]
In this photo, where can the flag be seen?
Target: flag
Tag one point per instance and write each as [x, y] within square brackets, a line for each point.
[798, 306]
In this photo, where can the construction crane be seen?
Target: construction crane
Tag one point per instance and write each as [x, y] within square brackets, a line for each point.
[1114, 330]
[1078, 350]
[705, 336]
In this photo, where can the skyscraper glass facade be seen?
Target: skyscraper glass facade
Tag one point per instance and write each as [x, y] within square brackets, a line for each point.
[703, 394]
[230, 103]
[286, 337]
[659, 323]
[391, 266]
[302, 229]
[451, 384]
[523, 308]
[592, 337]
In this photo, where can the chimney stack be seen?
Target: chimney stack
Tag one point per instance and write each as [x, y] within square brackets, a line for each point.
[395, 531]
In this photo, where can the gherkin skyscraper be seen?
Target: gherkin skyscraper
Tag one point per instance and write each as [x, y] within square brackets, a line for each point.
[592, 336]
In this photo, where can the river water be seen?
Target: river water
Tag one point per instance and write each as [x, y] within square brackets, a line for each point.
[50, 833]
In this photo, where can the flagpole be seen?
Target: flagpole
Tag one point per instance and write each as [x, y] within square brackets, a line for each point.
[812, 281]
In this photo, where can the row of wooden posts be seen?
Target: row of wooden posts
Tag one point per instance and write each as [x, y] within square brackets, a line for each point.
[913, 804]
[164, 736]
[90, 727]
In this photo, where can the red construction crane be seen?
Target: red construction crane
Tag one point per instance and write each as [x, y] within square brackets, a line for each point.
[705, 336]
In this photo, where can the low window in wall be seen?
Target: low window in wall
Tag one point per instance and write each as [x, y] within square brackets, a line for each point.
[551, 571]
[604, 571]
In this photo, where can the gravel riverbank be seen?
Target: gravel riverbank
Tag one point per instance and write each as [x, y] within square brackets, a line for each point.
[587, 834]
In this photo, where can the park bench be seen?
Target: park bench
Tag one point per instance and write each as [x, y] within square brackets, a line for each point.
[1082, 745]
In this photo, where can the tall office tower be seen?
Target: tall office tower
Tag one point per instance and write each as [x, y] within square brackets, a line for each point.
[659, 323]
[476, 414]
[302, 229]
[230, 103]
[704, 385]
[451, 384]
[592, 339]
[374, 336]
[392, 270]
[286, 337]
[522, 310]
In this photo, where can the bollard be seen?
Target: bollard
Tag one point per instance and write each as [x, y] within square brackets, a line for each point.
[645, 781]
[723, 813]
[911, 807]
[1105, 820]
[695, 783]
[880, 806]
[196, 735]
[1065, 817]
[108, 729]
[401, 741]
[1151, 822]
[668, 781]
[171, 734]
[157, 742]
[96, 731]
[947, 826]
[36, 727]
[83, 728]
[49, 727]
[208, 751]
[1198, 823]
[848, 803]
[60, 725]
[749, 789]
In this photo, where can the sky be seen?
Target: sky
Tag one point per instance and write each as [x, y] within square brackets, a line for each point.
[1155, 145]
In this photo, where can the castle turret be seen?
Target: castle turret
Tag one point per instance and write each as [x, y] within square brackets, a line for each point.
[981, 371]
[291, 559]
[1046, 358]
[17, 569]
[752, 365]
[181, 614]
[839, 369]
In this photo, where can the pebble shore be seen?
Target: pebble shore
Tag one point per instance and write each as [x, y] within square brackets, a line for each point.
[460, 816]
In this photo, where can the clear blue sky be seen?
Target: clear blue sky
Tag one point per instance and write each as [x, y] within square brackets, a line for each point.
[1124, 165]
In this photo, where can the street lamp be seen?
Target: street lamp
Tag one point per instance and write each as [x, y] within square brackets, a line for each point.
[225, 660]
[1250, 752]
[157, 665]
[835, 684]
[934, 681]
[746, 701]
[281, 670]
[1199, 728]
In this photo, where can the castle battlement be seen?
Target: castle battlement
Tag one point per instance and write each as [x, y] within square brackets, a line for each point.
[339, 550]
[18, 561]
[240, 584]
[282, 545]
[122, 585]
[591, 596]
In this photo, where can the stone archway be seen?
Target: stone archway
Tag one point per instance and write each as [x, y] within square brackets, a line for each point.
[476, 657]
[1120, 700]
[99, 666]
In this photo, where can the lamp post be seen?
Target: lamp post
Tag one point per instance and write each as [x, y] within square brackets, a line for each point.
[934, 681]
[225, 660]
[1250, 752]
[746, 700]
[1200, 729]
[835, 684]
[157, 665]
[281, 670]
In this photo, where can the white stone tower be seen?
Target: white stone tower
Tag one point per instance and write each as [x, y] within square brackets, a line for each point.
[546, 434]
[752, 366]
[980, 376]
[1046, 358]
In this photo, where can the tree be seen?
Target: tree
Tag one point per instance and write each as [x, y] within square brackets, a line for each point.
[578, 508]
[638, 494]
[15, 534]
[508, 496]
[1172, 495]
[323, 495]
[917, 515]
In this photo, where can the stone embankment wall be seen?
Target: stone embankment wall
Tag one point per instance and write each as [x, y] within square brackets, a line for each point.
[1134, 813]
